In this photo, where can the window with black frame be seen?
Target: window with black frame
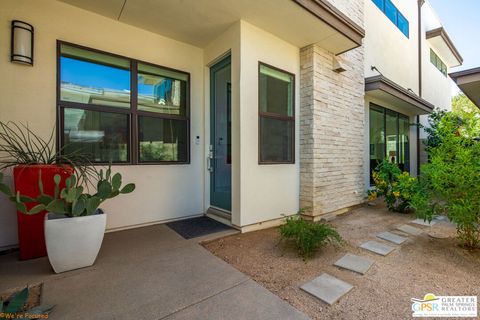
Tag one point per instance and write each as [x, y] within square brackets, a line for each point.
[276, 115]
[119, 110]
[394, 15]
[389, 138]
[438, 63]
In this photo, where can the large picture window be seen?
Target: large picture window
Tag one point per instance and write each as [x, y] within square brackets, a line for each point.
[276, 115]
[119, 110]
[389, 138]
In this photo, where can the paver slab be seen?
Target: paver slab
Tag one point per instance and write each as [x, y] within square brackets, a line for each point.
[354, 263]
[423, 222]
[391, 237]
[377, 247]
[410, 230]
[248, 300]
[327, 288]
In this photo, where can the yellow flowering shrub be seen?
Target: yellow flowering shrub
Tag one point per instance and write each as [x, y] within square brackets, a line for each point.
[395, 186]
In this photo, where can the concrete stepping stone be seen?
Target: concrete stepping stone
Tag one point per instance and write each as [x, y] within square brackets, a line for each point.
[423, 223]
[441, 219]
[377, 247]
[327, 288]
[410, 230]
[354, 263]
[391, 237]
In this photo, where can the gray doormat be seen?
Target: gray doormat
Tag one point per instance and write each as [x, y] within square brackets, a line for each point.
[197, 227]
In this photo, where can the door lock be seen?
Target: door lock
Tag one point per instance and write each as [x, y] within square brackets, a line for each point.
[210, 159]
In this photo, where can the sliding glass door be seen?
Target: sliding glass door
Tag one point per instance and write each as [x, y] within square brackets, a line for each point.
[389, 138]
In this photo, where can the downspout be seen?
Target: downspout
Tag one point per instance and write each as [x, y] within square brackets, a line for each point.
[420, 4]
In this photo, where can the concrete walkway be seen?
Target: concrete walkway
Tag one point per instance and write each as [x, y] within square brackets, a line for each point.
[149, 273]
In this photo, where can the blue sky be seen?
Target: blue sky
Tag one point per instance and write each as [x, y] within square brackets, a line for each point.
[95, 75]
[459, 16]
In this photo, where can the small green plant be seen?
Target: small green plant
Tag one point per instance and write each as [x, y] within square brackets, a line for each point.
[71, 200]
[14, 307]
[307, 237]
[395, 186]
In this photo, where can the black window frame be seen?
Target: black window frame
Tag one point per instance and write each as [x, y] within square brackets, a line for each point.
[275, 116]
[439, 64]
[384, 10]
[133, 113]
[397, 115]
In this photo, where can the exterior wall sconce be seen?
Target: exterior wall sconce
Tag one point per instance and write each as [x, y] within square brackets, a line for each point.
[22, 43]
[339, 66]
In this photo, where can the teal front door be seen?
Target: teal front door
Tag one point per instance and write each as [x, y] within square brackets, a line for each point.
[220, 150]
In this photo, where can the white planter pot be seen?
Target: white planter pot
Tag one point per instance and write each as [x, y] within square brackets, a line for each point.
[73, 243]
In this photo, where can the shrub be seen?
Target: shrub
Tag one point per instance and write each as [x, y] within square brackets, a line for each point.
[396, 186]
[450, 181]
[306, 236]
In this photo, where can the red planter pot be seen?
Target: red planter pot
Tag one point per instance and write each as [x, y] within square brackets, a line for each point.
[31, 237]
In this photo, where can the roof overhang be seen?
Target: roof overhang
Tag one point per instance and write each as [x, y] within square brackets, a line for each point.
[444, 47]
[199, 22]
[384, 89]
[326, 12]
[469, 82]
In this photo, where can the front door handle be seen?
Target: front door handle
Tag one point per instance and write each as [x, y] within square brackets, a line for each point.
[210, 159]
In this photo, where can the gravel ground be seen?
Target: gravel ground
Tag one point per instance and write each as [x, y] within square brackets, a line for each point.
[420, 265]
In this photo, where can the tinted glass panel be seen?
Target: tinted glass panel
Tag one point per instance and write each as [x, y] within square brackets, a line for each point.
[379, 4]
[162, 90]
[276, 91]
[403, 25]
[404, 129]
[389, 138]
[276, 140]
[94, 78]
[377, 137]
[391, 134]
[102, 136]
[391, 11]
[162, 139]
[438, 63]
[433, 58]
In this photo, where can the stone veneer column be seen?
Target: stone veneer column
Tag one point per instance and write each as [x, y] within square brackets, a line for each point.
[332, 120]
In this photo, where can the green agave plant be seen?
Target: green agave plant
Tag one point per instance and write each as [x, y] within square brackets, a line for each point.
[20, 145]
[13, 307]
[71, 200]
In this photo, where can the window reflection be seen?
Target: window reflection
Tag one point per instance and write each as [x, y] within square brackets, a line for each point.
[161, 90]
[101, 136]
[162, 139]
[92, 78]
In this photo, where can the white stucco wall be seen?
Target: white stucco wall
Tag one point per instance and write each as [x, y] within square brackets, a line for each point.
[396, 56]
[28, 94]
[388, 49]
[227, 43]
[267, 191]
[436, 88]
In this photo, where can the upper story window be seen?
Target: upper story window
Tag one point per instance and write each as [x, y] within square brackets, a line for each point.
[391, 11]
[119, 110]
[277, 115]
[438, 63]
